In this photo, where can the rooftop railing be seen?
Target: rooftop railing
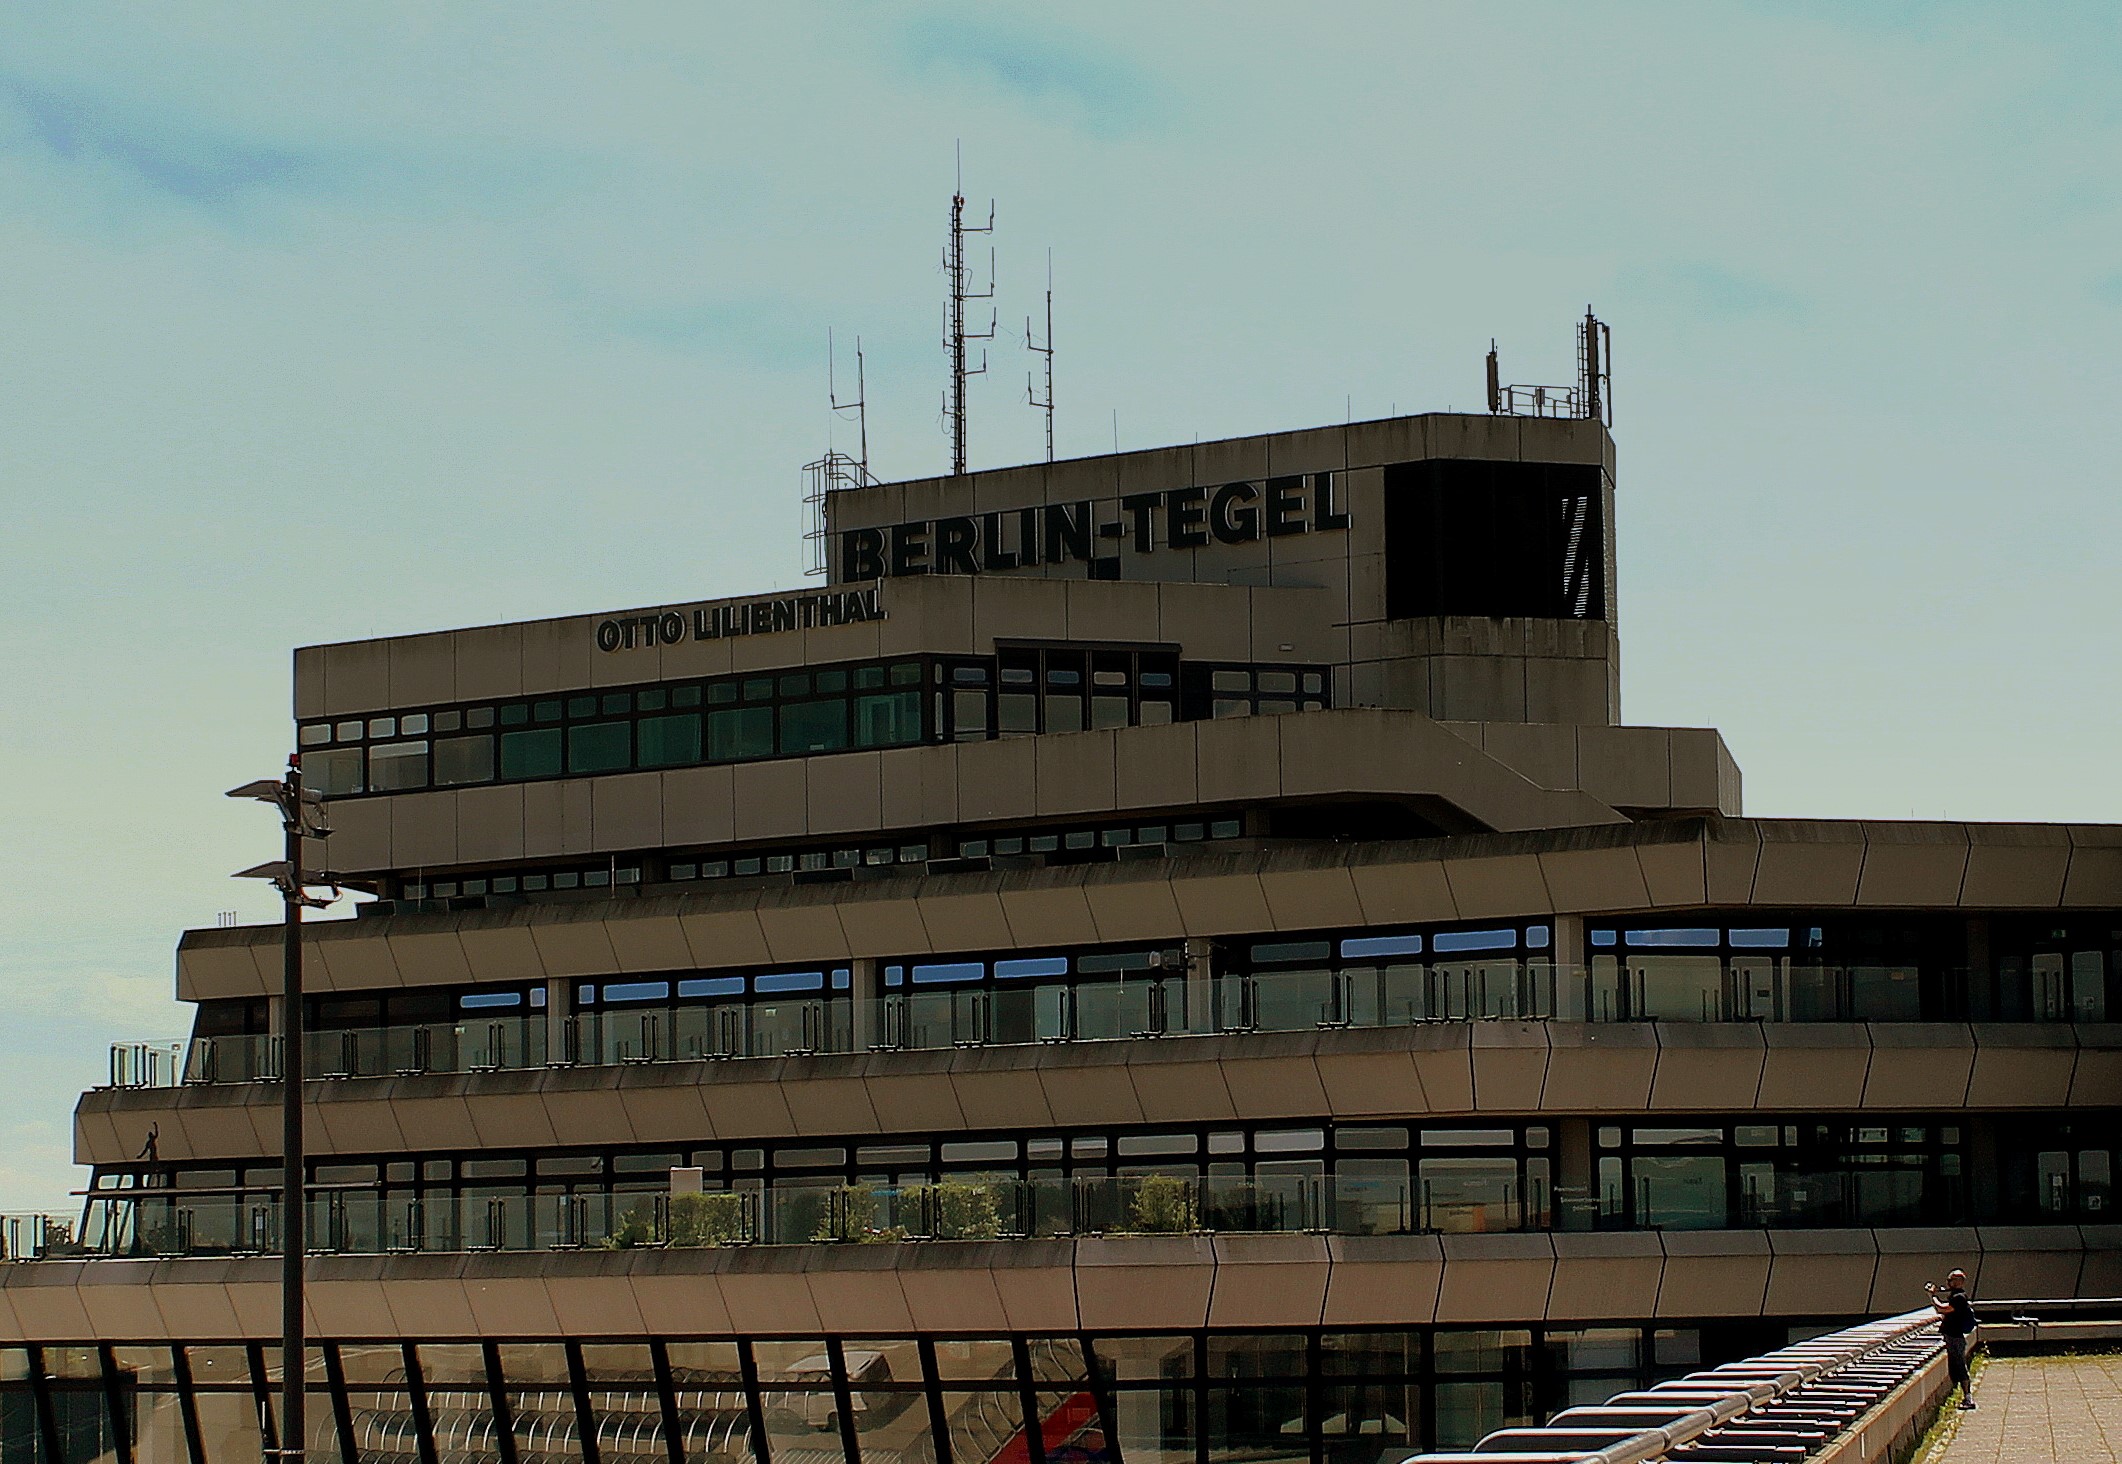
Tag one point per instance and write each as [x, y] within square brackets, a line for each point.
[1388, 995]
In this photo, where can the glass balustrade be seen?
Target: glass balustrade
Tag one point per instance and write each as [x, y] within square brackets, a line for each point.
[1672, 988]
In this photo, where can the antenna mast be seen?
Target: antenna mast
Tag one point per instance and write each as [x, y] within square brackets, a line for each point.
[955, 334]
[859, 406]
[836, 471]
[1044, 403]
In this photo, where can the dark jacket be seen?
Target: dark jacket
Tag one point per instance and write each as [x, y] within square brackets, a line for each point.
[1959, 1318]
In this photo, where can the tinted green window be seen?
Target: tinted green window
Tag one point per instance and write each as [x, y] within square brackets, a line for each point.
[891, 720]
[906, 673]
[670, 741]
[740, 734]
[460, 760]
[530, 754]
[514, 715]
[599, 747]
[813, 726]
[722, 693]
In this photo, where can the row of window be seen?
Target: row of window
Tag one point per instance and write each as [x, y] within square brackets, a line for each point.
[792, 713]
[1349, 1178]
[1317, 1397]
[1051, 845]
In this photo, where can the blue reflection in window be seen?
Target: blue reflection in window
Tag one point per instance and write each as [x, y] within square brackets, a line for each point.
[895, 975]
[1476, 940]
[712, 986]
[1761, 939]
[1673, 937]
[1602, 937]
[1032, 966]
[537, 996]
[951, 971]
[1383, 945]
[1536, 937]
[790, 981]
[841, 978]
[637, 991]
[476, 1000]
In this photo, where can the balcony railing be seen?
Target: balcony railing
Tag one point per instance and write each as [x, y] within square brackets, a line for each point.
[1159, 1005]
[357, 1220]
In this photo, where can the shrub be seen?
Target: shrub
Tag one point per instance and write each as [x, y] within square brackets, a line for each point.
[708, 1219]
[1164, 1205]
[961, 1211]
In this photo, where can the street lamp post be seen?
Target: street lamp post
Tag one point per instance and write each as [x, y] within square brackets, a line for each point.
[301, 816]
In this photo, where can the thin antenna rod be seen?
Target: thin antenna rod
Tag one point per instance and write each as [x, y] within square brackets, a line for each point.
[1046, 402]
[859, 406]
[955, 335]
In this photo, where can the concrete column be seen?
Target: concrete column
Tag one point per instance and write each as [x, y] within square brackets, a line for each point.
[865, 986]
[1576, 1195]
[1200, 984]
[559, 1006]
[1572, 957]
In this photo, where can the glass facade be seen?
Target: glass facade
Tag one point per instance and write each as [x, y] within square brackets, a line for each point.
[793, 712]
[1299, 1397]
[1378, 1178]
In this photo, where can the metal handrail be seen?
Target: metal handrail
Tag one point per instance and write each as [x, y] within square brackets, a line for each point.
[1755, 1383]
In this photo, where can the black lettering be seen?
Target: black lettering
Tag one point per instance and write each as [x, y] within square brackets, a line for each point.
[608, 636]
[1324, 514]
[1183, 513]
[992, 554]
[1231, 517]
[1285, 507]
[1067, 532]
[1138, 507]
[871, 610]
[807, 611]
[829, 609]
[703, 625]
[672, 628]
[1028, 536]
[784, 613]
[862, 554]
[954, 546]
[910, 548]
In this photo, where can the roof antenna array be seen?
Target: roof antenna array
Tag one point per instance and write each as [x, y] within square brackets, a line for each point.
[1591, 399]
[1043, 403]
[836, 470]
[955, 334]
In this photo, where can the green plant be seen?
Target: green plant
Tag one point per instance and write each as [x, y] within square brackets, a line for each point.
[1164, 1205]
[707, 1219]
[847, 1213]
[637, 1227]
[961, 1211]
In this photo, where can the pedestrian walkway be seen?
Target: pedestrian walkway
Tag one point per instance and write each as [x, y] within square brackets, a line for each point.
[2036, 1409]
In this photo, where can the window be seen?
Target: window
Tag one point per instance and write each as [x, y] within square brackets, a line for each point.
[599, 747]
[532, 754]
[812, 726]
[668, 742]
[740, 733]
[461, 760]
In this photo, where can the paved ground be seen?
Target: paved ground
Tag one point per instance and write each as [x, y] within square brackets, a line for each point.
[2032, 1410]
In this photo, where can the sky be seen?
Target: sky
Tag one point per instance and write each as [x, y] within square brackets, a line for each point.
[319, 323]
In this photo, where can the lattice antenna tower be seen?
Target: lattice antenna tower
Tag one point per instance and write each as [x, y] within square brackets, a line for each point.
[836, 470]
[1044, 402]
[955, 335]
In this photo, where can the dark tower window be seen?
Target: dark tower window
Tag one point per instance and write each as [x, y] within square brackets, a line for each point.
[1494, 539]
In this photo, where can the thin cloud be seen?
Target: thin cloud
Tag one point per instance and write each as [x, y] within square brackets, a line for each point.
[161, 155]
[1103, 95]
[1711, 289]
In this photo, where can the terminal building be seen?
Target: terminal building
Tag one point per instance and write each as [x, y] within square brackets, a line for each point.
[1169, 957]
